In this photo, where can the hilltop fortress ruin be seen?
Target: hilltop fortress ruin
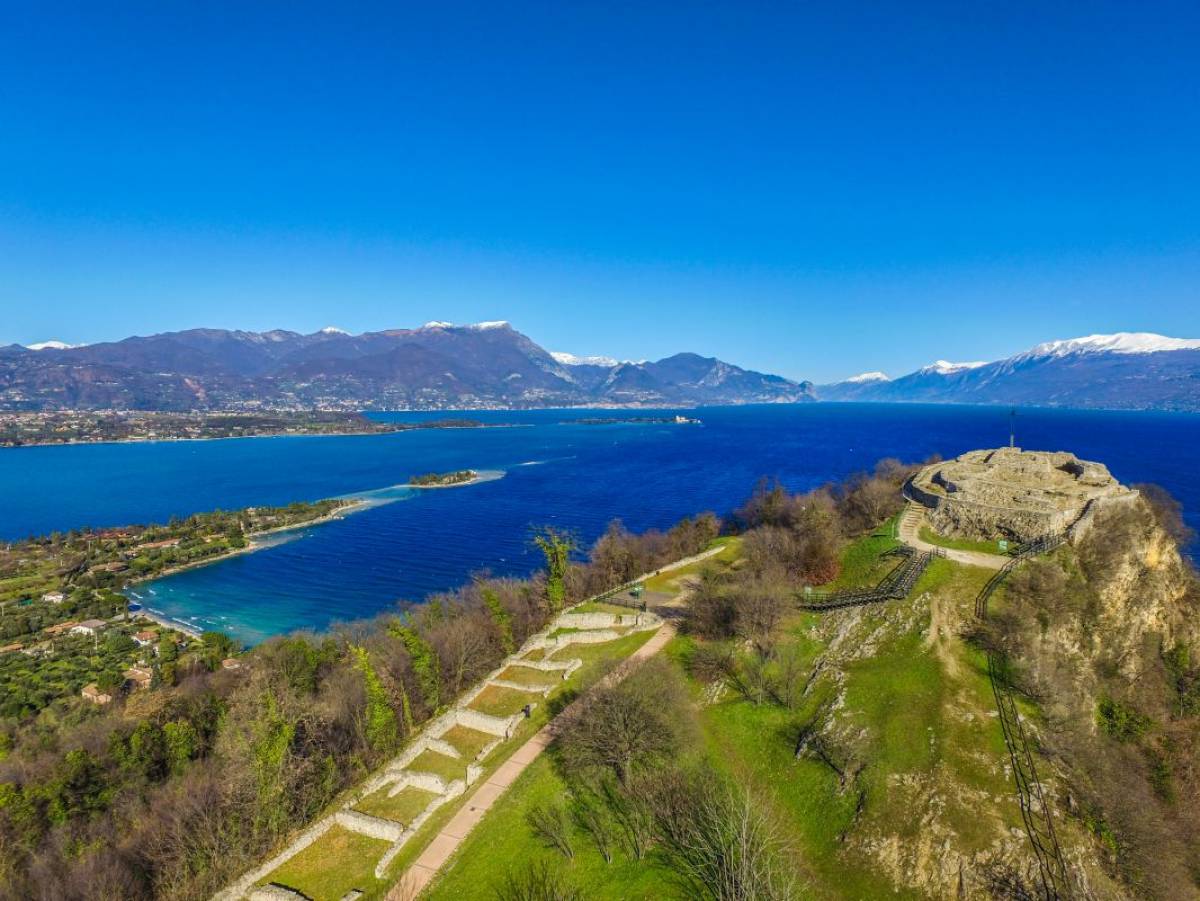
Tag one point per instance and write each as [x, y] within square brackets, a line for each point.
[1009, 493]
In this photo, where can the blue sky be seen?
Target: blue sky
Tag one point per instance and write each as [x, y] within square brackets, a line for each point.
[805, 189]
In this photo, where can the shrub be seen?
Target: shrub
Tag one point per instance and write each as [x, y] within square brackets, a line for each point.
[1121, 722]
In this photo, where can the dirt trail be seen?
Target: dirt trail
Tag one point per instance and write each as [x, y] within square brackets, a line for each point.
[910, 533]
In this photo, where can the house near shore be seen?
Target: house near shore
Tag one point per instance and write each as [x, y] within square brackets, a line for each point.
[159, 545]
[145, 637]
[91, 692]
[59, 628]
[54, 597]
[89, 627]
[139, 677]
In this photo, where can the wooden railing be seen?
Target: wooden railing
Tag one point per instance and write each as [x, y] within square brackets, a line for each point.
[1035, 812]
[893, 587]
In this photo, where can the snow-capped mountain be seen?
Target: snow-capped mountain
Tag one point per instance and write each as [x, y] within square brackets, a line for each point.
[866, 377]
[52, 345]
[1126, 370]
[571, 360]
[945, 367]
[437, 366]
[1118, 343]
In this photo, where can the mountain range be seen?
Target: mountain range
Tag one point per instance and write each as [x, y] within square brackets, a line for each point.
[436, 366]
[492, 365]
[1123, 371]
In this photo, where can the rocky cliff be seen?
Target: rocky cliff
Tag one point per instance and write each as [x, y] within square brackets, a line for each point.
[902, 709]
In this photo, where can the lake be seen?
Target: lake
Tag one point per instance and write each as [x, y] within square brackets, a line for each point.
[556, 470]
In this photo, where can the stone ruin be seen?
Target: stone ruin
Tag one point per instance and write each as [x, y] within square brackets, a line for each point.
[1008, 493]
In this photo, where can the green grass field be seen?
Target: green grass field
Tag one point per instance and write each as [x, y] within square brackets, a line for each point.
[504, 840]
[863, 563]
[533, 678]
[438, 764]
[499, 701]
[333, 865]
[468, 742]
[962, 544]
[406, 806]
[669, 582]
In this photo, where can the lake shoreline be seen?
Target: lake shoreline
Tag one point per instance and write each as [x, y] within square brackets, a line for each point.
[253, 543]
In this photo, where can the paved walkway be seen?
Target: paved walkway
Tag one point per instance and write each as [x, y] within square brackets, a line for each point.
[446, 842]
[910, 533]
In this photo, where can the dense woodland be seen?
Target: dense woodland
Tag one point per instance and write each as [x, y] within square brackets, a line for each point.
[175, 790]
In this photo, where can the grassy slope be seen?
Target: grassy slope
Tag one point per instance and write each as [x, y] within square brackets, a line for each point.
[334, 864]
[731, 546]
[961, 544]
[342, 860]
[921, 710]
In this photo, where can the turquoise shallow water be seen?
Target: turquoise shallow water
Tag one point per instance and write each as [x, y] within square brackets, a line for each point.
[554, 470]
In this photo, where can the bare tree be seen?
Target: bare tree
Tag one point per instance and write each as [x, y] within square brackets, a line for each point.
[718, 840]
[639, 720]
[536, 881]
[592, 817]
[549, 823]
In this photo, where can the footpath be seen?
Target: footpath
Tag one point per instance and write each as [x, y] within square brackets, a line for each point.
[909, 532]
[447, 842]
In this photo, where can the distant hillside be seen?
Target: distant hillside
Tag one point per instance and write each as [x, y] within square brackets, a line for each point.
[437, 366]
[1124, 371]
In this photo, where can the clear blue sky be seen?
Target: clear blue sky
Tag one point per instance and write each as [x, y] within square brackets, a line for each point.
[810, 189]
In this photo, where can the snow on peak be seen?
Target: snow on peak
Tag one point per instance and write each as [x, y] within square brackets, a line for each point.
[477, 326]
[567, 359]
[869, 377]
[1118, 343]
[52, 345]
[945, 367]
[333, 330]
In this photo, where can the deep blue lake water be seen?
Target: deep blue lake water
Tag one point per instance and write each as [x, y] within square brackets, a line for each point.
[556, 471]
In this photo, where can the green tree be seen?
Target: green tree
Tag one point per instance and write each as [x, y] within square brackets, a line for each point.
[556, 545]
[381, 729]
[181, 744]
[424, 662]
[501, 617]
[270, 753]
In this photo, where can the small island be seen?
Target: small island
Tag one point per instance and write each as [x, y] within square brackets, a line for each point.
[634, 420]
[444, 479]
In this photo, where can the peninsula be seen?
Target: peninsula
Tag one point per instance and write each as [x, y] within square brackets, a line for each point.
[86, 427]
[66, 628]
